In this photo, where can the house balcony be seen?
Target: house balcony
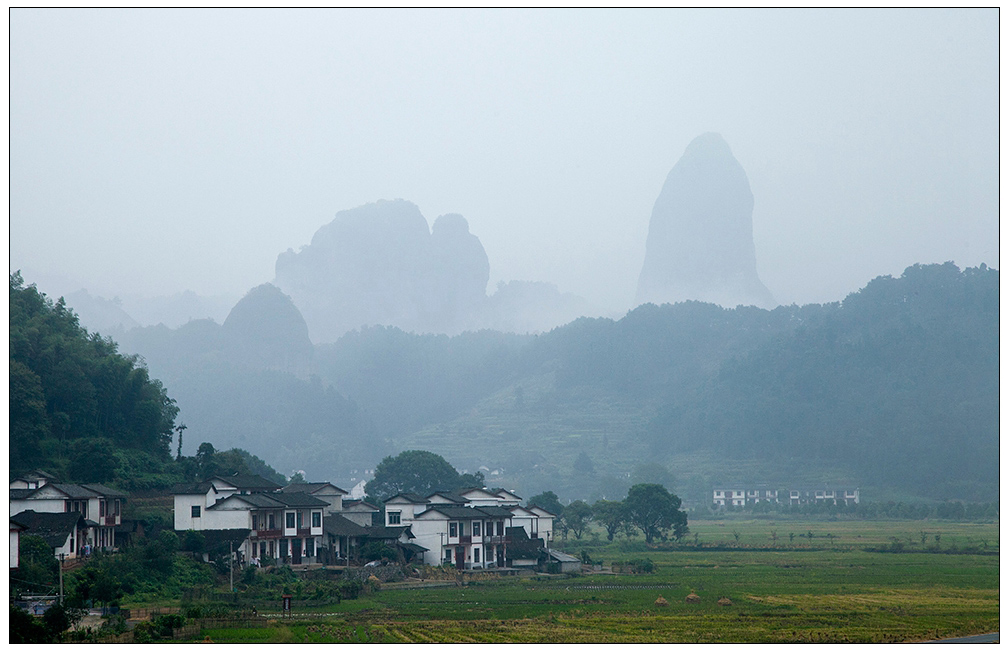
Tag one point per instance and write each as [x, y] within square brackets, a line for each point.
[267, 533]
[496, 539]
[464, 539]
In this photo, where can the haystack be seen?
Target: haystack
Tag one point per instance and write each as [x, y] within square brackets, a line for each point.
[692, 598]
[661, 601]
[724, 602]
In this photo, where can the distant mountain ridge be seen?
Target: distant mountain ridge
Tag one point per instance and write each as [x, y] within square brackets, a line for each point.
[894, 388]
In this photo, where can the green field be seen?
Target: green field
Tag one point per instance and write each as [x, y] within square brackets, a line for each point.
[823, 589]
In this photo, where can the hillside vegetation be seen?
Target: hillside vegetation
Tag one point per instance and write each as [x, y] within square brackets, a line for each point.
[894, 390]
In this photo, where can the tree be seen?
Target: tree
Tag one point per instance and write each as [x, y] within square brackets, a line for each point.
[612, 515]
[576, 517]
[655, 511]
[420, 472]
[92, 460]
[548, 501]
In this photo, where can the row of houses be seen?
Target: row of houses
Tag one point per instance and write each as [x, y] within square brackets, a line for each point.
[297, 524]
[313, 523]
[741, 497]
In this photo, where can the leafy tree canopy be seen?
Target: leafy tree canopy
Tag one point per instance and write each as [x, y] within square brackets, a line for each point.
[67, 385]
[548, 501]
[420, 472]
[655, 511]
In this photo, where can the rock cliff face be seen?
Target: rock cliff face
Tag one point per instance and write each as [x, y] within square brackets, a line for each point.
[380, 264]
[700, 238]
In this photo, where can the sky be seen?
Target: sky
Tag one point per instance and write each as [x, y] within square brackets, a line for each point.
[157, 151]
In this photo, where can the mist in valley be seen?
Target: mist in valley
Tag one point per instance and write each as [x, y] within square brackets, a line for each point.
[569, 249]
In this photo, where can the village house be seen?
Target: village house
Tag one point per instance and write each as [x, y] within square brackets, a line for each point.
[100, 507]
[284, 525]
[62, 531]
[471, 528]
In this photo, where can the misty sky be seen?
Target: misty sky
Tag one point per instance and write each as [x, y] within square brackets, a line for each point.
[157, 151]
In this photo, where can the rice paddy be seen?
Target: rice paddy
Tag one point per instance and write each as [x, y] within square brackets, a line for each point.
[823, 591]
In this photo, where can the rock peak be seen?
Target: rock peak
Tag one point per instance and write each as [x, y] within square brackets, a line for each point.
[700, 239]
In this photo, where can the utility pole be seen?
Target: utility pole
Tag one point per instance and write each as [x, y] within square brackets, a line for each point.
[61, 556]
[231, 566]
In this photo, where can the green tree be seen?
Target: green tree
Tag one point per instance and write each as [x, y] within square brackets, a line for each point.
[92, 460]
[548, 501]
[576, 517]
[655, 511]
[37, 566]
[612, 515]
[420, 472]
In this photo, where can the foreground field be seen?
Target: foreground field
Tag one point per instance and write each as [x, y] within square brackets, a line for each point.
[824, 591]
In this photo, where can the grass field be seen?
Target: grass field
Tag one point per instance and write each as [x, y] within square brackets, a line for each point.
[819, 589]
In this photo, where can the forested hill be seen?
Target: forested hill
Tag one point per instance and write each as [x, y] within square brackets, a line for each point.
[86, 413]
[73, 398]
[894, 390]
[896, 387]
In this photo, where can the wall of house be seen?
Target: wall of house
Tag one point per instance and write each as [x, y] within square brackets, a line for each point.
[183, 512]
[427, 532]
[217, 519]
[15, 539]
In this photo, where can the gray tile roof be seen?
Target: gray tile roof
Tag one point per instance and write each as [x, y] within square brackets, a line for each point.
[53, 527]
[105, 491]
[74, 491]
[191, 488]
[408, 496]
[342, 527]
[275, 500]
[249, 482]
[464, 512]
[450, 496]
[16, 494]
[309, 488]
[388, 532]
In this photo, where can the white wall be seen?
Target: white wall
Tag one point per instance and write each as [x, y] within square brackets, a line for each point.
[15, 539]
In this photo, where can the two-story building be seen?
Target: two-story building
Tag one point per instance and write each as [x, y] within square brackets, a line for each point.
[286, 525]
[99, 506]
[468, 528]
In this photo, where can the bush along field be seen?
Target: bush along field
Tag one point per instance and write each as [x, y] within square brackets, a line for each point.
[848, 582]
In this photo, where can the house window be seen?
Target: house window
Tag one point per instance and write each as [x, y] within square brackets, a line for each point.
[271, 522]
[290, 520]
[101, 508]
[315, 521]
[299, 519]
[476, 528]
[449, 555]
[489, 528]
[489, 553]
[254, 522]
[393, 517]
[271, 548]
[477, 554]
[196, 511]
[453, 529]
[310, 547]
[116, 507]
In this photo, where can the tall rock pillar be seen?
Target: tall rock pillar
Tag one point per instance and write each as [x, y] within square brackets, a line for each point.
[700, 238]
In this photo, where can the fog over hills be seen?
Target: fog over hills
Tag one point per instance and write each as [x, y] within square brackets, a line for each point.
[895, 390]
